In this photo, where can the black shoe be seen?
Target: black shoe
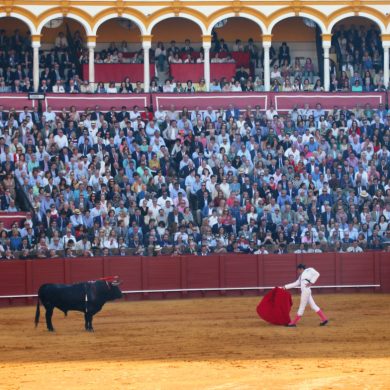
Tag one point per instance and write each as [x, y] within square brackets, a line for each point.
[291, 326]
[323, 323]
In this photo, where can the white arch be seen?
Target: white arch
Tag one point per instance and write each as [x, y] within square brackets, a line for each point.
[352, 14]
[29, 23]
[229, 15]
[172, 15]
[82, 21]
[114, 15]
[375, 20]
[300, 14]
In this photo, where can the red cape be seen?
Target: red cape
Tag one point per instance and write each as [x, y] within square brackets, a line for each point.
[275, 307]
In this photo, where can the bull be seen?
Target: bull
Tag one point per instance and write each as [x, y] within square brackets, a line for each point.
[87, 297]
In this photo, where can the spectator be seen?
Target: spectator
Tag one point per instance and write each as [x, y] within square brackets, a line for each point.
[354, 247]
[284, 54]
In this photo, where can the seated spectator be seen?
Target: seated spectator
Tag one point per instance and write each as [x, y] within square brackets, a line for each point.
[200, 59]
[216, 59]
[287, 87]
[308, 70]
[189, 88]
[354, 247]
[175, 59]
[188, 59]
[236, 87]
[215, 86]
[275, 74]
[100, 88]
[202, 87]
[58, 87]
[242, 75]
[111, 88]
[258, 85]
[72, 87]
[357, 87]
[318, 86]
[168, 87]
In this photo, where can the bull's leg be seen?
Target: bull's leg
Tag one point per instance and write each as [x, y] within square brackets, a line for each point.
[49, 314]
[88, 322]
[86, 317]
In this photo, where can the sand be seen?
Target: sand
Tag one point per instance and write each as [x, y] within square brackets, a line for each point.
[209, 343]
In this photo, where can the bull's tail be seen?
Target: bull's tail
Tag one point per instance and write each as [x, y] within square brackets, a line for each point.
[37, 314]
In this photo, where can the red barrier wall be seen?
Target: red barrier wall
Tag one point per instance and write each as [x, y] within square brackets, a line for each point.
[106, 73]
[284, 102]
[16, 101]
[105, 102]
[193, 272]
[215, 100]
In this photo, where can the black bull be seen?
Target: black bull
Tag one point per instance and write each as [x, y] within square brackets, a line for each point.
[87, 297]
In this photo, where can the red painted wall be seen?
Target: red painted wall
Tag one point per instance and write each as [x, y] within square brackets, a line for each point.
[283, 101]
[192, 272]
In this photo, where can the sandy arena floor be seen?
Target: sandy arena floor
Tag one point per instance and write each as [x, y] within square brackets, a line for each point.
[211, 343]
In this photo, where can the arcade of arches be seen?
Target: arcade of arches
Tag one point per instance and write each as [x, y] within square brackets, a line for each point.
[310, 31]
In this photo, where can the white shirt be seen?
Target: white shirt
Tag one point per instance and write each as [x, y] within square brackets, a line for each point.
[353, 249]
[296, 154]
[61, 141]
[270, 114]
[259, 252]
[309, 275]
[58, 89]
[50, 116]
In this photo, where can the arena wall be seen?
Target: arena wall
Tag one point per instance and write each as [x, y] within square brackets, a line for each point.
[283, 101]
[220, 272]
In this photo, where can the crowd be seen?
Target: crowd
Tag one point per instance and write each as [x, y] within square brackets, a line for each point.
[198, 182]
[356, 59]
[57, 65]
[15, 62]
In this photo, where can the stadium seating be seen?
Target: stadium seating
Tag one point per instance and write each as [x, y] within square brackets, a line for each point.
[239, 179]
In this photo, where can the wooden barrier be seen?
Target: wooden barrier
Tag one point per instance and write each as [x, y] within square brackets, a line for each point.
[194, 275]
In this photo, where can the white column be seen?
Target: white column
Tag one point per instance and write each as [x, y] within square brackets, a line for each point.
[146, 45]
[91, 62]
[386, 64]
[36, 45]
[326, 46]
[206, 49]
[267, 73]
